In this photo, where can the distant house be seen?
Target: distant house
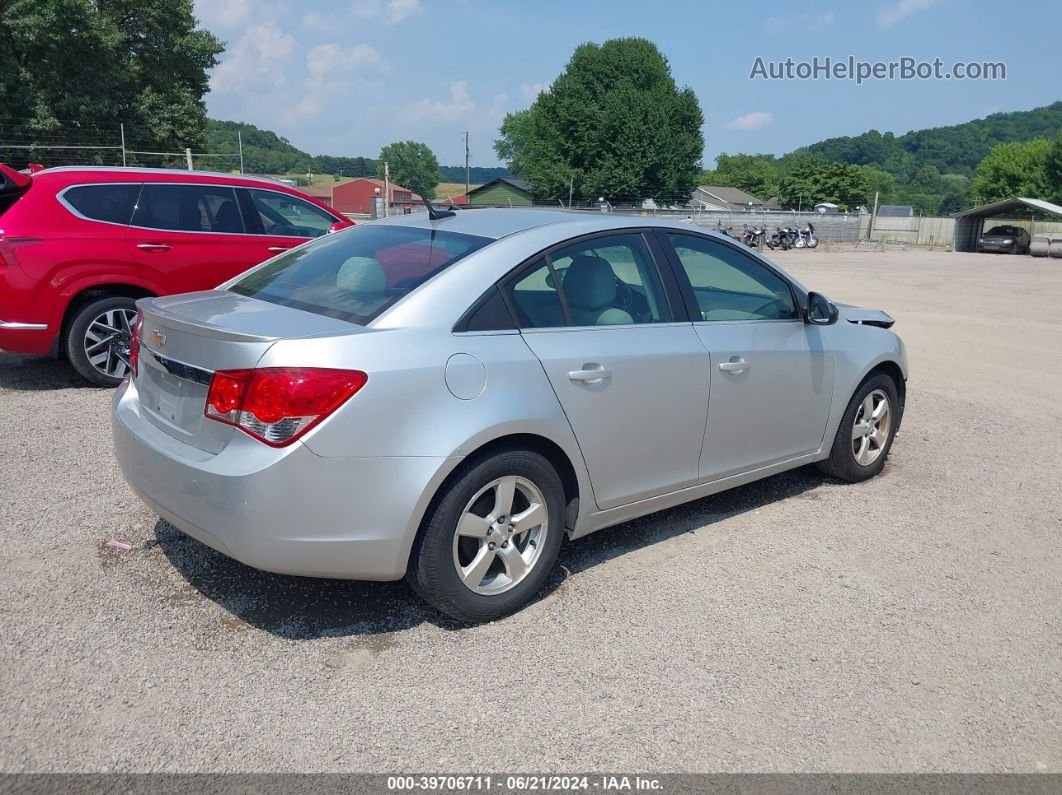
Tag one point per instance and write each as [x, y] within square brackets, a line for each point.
[501, 192]
[896, 210]
[715, 197]
[826, 208]
[355, 196]
[321, 194]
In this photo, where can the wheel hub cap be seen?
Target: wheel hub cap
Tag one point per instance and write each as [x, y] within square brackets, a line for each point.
[870, 432]
[499, 535]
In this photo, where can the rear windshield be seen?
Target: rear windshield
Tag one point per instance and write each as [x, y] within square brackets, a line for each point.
[355, 275]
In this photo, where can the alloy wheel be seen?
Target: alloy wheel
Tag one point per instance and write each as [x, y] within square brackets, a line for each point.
[870, 431]
[107, 341]
[500, 535]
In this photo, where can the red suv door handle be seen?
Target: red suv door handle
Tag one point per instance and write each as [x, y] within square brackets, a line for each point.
[278, 248]
[153, 246]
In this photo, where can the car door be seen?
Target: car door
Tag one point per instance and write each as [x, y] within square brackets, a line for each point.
[632, 379]
[282, 221]
[192, 236]
[771, 373]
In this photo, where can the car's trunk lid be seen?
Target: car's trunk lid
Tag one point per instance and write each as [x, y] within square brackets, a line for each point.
[185, 339]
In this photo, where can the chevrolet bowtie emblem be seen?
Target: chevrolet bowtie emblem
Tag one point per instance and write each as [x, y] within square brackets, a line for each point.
[158, 337]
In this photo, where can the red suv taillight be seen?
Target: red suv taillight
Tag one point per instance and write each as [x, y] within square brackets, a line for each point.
[277, 405]
[134, 343]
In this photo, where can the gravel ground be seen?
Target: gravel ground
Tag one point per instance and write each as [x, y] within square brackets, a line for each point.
[911, 623]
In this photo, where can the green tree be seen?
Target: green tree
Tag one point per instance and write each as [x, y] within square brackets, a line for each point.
[880, 183]
[812, 181]
[614, 124]
[755, 174]
[413, 165]
[1053, 171]
[1012, 169]
[67, 66]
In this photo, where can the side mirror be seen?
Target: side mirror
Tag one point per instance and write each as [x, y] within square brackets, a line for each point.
[820, 311]
[336, 227]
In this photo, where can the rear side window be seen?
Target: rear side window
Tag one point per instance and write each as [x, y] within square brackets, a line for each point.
[286, 216]
[356, 274]
[111, 203]
[189, 208]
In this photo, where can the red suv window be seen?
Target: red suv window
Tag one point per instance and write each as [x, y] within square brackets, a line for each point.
[112, 203]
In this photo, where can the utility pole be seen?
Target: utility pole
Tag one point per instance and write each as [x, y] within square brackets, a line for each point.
[873, 216]
[122, 126]
[239, 138]
[188, 156]
[387, 188]
[466, 165]
[571, 188]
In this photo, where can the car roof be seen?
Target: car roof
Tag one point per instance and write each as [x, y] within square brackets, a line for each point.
[502, 222]
[73, 174]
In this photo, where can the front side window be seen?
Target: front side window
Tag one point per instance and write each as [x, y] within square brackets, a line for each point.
[284, 215]
[729, 285]
[189, 208]
[357, 274]
[110, 203]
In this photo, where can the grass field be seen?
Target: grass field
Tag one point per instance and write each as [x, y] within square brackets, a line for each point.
[448, 190]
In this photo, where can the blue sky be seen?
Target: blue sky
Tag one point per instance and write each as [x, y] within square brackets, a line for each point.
[346, 78]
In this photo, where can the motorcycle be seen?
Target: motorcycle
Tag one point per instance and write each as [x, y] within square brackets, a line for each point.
[753, 236]
[806, 238]
[782, 238]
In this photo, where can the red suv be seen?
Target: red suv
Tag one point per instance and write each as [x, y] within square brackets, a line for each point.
[79, 245]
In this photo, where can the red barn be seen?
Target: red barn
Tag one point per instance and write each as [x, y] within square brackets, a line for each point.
[356, 196]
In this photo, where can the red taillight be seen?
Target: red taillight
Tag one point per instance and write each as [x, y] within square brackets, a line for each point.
[134, 343]
[277, 405]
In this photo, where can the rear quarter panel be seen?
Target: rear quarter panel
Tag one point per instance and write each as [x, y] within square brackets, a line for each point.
[407, 408]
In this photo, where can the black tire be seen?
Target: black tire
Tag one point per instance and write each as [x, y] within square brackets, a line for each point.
[75, 342]
[432, 571]
[842, 463]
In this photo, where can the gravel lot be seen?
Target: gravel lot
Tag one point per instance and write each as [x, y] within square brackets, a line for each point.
[911, 623]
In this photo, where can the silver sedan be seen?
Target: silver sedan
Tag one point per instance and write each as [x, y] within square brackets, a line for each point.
[446, 397]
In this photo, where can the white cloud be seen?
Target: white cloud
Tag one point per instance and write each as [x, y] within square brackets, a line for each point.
[751, 121]
[332, 66]
[436, 112]
[889, 15]
[530, 91]
[390, 11]
[334, 71]
[498, 107]
[255, 62]
[798, 23]
[318, 22]
[214, 14]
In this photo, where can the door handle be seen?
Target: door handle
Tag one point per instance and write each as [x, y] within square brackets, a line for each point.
[153, 246]
[278, 248]
[735, 366]
[590, 374]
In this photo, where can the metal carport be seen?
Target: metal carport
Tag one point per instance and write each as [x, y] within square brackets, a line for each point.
[970, 223]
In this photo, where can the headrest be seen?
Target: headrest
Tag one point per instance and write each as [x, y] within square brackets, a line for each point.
[589, 282]
[362, 275]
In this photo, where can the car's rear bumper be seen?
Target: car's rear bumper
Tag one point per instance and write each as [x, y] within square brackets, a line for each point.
[285, 510]
[19, 337]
